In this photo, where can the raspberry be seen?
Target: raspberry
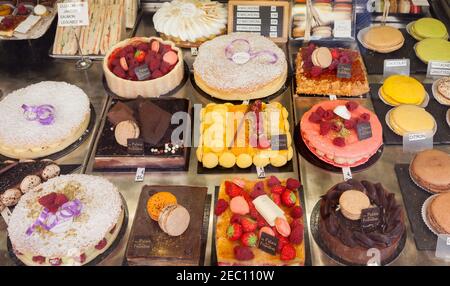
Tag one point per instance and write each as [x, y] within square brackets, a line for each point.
[320, 111]
[351, 105]
[335, 53]
[334, 64]
[119, 71]
[273, 181]
[349, 124]
[365, 117]
[221, 206]
[278, 190]
[101, 244]
[39, 259]
[129, 49]
[248, 224]
[143, 47]
[296, 236]
[154, 65]
[276, 198]
[339, 141]
[328, 115]
[82, 258]
[61, 199]
[258, 190]
[123, 53]
[325, 127]
[55, 261]
[115, 62]
[157, 74]
[311, 47]
[253, 212]
[282, 241]
[288, 252]
[296, 223]
[164, 49]
[243, 253]
[316, 71]
[53, 208]
[344, 59]
[288, 198]
[249, 239]
[261, 222]
[293, 184]
[336, 127]
[47, 200]
[315, 118]
[235, 218]
[297, 212]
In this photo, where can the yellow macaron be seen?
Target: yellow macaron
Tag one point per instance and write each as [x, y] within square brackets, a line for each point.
[402, 89]
[410, 118]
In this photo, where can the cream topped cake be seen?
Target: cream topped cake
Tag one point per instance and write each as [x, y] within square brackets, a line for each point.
[70, 221]
[42, 119]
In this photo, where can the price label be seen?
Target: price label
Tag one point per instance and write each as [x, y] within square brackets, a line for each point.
[342, 29]
[333, 97]
[417, 141]
[396, 66]
[135, 146]
[194, 51]
[73, 14]
[347, 173]
[443, 247]
[420, 3]
[438, 69]
[364, 130]
[142, 72]
[344, 71]
[268, 243]
[6, 214]
[261, 173]
[140, 173]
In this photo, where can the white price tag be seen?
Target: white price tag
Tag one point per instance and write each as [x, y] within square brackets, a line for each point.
[342, 29]
[443, 247]
[194, 51]
[140, 173]
[396, 66]
[6, 214]
[438, 69]
[73, 14]
[417, 141]
[420, 3]
[261, 173]
[333, 97]
[347, 172]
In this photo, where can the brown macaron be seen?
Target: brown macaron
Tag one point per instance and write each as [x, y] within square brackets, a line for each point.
[431, 170]
[438, 213]
[126, 130]
[352, 203]
[322, 57]
[383, 39]
[174, 220]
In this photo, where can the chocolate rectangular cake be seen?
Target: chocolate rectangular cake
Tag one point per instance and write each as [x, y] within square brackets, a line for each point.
[149, 245]
[152, 117]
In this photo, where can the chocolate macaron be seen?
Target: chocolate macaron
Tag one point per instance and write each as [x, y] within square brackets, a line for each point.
[438, 214]
[430, 169]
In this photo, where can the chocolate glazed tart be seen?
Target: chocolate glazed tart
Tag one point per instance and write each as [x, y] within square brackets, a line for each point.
[346, 239]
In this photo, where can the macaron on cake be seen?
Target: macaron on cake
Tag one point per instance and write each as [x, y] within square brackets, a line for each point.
[172, 218]
[404, 119]
[250, 213]
[433, 49]
[430, 170]
[402, 89]
[329, 130]
[382, 39]
[352, 203]
[437, 214]
[441, 90]
[428, 28]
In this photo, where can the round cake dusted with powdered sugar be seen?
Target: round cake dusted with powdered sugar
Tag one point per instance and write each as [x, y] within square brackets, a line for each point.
[68, 220]
[240, 66]
[42, 119]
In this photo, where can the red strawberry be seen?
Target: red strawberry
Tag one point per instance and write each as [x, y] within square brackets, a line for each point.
[61, 199]
[351, 105]
[249, 239]
[273, 181]
[288, 252]
[282, 241]
[55, 261]
[276, 198]
[232, 189]
[278, 190]
[248, 224]
[235, 218]
[297, 212]
[253, 212]
[339, 141]
[288, 198]
[39, 259]
[234, 231]
[335, 53]
[47, 199]
[243, 253]
[101, 244]
[293, 184]
[296, 236]
[221, 206]
[261, 222]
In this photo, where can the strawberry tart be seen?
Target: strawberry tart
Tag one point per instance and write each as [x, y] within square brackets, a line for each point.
[330, 131]
[259, 223]
[69, 220]
[42, 119]
[147, 67]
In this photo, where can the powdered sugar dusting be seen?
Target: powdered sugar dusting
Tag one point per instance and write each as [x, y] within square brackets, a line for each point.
[219, 72]
[71, 108]
[101, 210]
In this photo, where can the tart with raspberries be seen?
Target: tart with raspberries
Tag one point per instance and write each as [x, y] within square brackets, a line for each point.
[330, 131]
[317, 72]
[147, 67]
[248, 210]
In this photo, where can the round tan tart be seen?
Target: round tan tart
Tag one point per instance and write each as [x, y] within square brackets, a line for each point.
[42, 119]
[334, 139]
[240, 66]
[430, 169]
[72, 220]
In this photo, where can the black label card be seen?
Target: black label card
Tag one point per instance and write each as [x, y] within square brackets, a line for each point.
[268, 243]
[135, 146]
[142, 72]
[279, 142]
[141, 245]
[344, 71]
[364, 130]
[370, 218]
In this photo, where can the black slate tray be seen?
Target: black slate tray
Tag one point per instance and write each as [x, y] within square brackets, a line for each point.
[375, 61]
[414, 197]
[308, 261]
[438, 111]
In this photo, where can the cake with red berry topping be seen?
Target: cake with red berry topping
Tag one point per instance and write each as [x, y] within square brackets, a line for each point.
[147, 67]
[259, 223]
[70, 220]
[317, 72]
[330, 131]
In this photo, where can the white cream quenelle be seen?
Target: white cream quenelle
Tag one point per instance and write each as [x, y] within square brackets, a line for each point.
[191, 20]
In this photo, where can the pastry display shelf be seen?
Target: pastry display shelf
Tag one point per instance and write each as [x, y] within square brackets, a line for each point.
[315, 181]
